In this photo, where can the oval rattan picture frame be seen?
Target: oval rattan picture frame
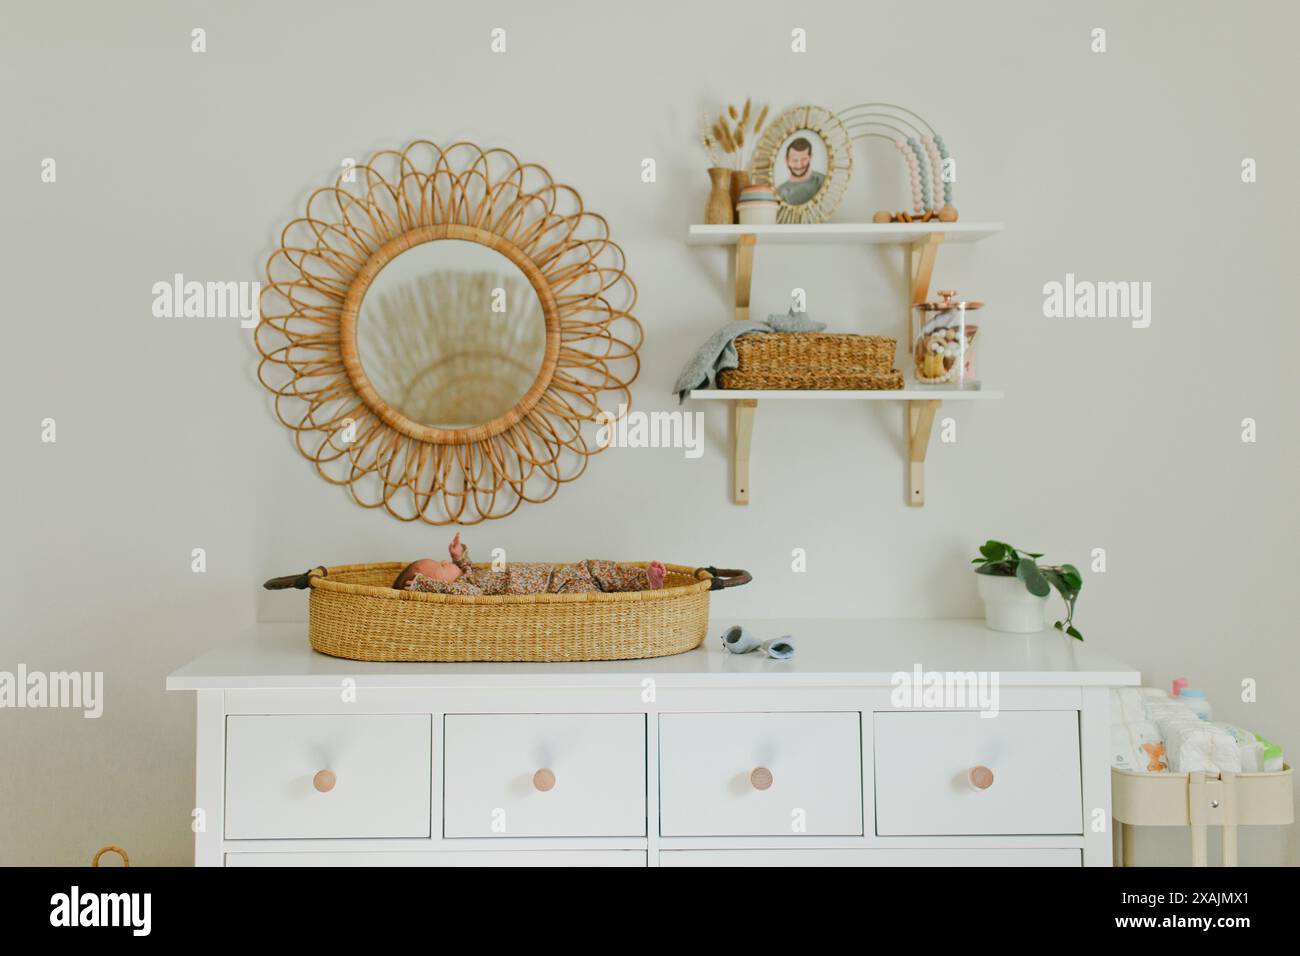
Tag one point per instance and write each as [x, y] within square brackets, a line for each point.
[832, 150]
[327, 259]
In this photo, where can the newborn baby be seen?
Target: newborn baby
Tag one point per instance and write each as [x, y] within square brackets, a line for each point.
[458, 576]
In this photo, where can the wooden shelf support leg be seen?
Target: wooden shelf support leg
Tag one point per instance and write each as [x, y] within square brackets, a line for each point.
[920, 261]
[742, 410]
[919, 258]
[1196, 802]
[744, 274]
[920, 421]
[742, 430]
[1229, 816]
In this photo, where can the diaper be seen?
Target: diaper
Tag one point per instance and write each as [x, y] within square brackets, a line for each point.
[1136, 745]
[1169, 709]
[1126, 706]
[1129, 705]
[1274, 761]
[1251, 750]
[1193, 744]
[1257, 754]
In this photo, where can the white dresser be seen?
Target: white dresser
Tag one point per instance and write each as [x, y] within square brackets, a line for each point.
[832, 759]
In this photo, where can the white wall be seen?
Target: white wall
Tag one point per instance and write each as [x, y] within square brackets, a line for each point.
[1115, 166]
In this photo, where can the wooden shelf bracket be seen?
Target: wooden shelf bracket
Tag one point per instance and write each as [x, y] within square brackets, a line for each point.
[920, 266]
[742, 410]
[919, 423]
[744, 274]
[742, 431]
[919, 420]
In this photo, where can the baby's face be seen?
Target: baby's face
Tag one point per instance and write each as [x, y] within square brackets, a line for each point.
[443, 571]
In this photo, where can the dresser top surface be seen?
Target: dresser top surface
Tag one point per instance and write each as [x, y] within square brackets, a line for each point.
[829, 652]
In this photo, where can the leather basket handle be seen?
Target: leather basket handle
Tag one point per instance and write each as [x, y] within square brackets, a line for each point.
[299, 581]
[728, 578]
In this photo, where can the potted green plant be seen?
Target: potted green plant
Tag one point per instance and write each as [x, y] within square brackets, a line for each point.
[1014, 588]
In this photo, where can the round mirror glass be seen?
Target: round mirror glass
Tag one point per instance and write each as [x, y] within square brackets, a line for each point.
[451, 334]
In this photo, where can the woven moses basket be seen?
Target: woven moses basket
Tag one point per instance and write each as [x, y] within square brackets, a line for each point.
[355, 613]
[813, 360]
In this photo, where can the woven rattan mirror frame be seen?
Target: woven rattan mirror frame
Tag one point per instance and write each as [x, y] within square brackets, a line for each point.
[327, 259]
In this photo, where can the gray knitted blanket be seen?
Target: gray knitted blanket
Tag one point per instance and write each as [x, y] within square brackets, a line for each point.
[719, 353]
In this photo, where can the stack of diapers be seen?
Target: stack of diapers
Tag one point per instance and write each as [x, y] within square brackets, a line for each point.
[1135, 740]
[1192, 743]
[1152, 732]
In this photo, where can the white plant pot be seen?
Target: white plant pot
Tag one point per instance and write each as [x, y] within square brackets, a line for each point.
[1008, 605]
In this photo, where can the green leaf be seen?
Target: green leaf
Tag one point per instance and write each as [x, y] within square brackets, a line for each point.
[1074, 632]
[1072, 577]
[1027, 571]
[1032, 554]
[1058, 626]
[1058, 580]
[997, 551]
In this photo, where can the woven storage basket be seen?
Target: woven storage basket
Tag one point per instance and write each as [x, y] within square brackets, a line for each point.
[810, 380]
[356, 614]
[813, 360]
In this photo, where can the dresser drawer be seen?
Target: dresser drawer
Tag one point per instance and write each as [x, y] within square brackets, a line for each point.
[928, 765]
[444, 858]
[551, 775]
[760, 774]
[324, 776]
[837, 858]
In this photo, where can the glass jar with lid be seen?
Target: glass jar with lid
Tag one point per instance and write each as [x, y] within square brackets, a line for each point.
[943, 337]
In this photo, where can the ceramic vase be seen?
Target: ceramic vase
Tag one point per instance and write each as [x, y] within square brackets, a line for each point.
[720, 210]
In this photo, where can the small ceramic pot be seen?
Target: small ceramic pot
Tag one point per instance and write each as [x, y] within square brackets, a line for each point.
[757, 192]
[739, 183]
[757, 213]
[1008, 605]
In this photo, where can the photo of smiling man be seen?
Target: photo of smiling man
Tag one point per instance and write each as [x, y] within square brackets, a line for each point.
[803, 180]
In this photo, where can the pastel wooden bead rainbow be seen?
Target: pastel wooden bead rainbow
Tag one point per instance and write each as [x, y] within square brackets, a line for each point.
[923, 151]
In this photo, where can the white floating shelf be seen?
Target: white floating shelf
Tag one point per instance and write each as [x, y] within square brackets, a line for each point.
[845, 233]
[920, 242]
[878, 395]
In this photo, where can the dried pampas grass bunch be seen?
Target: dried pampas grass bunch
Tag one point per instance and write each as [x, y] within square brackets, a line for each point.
[727, 134]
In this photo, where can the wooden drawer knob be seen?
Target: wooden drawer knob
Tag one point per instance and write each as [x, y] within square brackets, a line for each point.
[544, 780]
[324, 781]
[760, 778]
[981, 778]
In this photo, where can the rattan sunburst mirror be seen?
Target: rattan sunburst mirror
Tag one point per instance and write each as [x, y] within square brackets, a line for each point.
[443, 329]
